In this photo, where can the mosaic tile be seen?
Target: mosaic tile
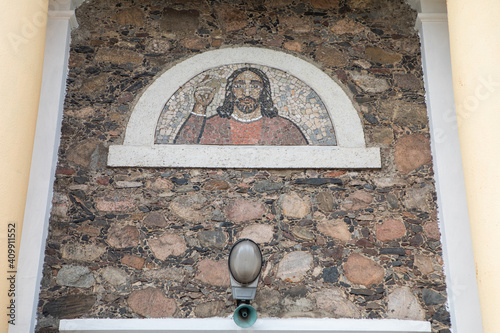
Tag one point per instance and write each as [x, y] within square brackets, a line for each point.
[245, 104]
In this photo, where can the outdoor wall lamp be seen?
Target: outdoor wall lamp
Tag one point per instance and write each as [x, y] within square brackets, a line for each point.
[245, 263]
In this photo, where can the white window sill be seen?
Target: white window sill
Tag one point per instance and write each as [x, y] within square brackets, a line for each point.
[226, 325]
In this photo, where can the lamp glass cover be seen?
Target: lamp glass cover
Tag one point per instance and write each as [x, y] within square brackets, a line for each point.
[245, 261]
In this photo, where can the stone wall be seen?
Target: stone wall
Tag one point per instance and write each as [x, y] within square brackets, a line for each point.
[145, 242]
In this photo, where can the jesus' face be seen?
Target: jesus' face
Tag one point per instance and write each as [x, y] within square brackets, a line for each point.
[247, 88]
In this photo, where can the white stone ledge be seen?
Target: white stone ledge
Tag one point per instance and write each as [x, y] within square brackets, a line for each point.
[208, 156]
[226, 325]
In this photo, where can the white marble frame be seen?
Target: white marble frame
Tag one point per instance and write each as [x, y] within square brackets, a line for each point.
[138, 147]
[227, 325]
[61, 19]
[459, 266]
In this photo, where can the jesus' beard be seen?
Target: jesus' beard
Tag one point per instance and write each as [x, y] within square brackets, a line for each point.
[246, 104]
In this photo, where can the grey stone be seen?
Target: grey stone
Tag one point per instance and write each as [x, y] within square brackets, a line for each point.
[416, 198]
[155, 219]
[212, 239]
[267, 186]
[432, 297]
[389, 182]
[297, 304]
[125, 184]
[114, 276]
[325, 202]
[166, 274]
[294, 266]
[393, 250]
[302, 233]
[296, 291]
[158, 46]
[318, 181]
[208, 309]
[334, 303]
[189, 207]
[82, 252]
[442, 315]
[330, 274]
[402, 304]
[392, 201]
[369, 83]
[75, 276]
[268, 301]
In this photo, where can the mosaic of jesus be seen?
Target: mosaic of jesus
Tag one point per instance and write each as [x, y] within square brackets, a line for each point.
[245, 104]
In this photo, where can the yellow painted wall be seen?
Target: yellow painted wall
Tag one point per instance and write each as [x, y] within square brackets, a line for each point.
[22, 41]
[475, 48]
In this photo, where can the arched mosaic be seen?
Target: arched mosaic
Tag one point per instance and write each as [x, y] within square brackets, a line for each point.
[244, 107]
[284, 110]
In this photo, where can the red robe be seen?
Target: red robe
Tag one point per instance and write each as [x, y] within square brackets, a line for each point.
[215, 130]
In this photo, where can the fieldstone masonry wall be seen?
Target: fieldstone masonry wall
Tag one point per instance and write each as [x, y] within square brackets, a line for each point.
[139, 242]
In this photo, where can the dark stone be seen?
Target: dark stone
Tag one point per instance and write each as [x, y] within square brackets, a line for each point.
[318, 181]
[393, 250]
[83, 49]
[336, 253]
[339, 213]
[393, 201]
[371, 118]
[179, 181]
[417, 241]
[188, 261]
[432, 297]
[442, 315]
[297, 291]
[267, 186]
[362, 292]
[364, 243]
[179, 20]
[416, 228]
[72, 306]
[212, 238]
[407, 81]
[331, 274]
[374, 297]
[48, 330]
